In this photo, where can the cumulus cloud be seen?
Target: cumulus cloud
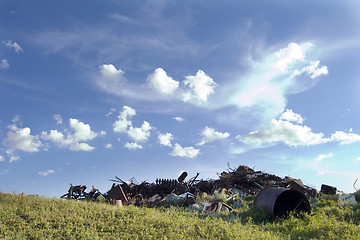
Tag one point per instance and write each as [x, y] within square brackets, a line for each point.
[201, 86]
[289, 131]
[345, 138]
[313, 70]
[4, 64]
[210, 135]
[124, 125]
[109, 146]
[82, 130]
[179, 119]
[357, 159]
[75, 141]
[140, 134]
[2, 159]
[58, 119]
[111, 79]
[286, 56]
[286, 132]
[264, 89]
[290, 116]
[165, 139]
[132, 146]
[188, 152]
[124, 117]
[21, 139]
[161, 82]
[14, 45]
[46, 172]
[323, 156]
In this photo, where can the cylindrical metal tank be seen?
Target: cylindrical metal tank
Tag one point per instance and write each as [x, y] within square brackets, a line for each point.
[278, 202]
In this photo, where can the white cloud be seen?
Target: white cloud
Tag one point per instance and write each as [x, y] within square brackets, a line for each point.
[345, 138]
[2, 159]
[123, 123]
[188, 152]
[111, 79]
[58, 119]
[320, 173]
[81, 147]
[112, 110]
[357, 159]
[165, 139]
[264, 89]
[286, 56]
[132, 146]
[109, 146]
[46, 172]
[201, 86]
[161, 82]
[313, 70]
[209, 135]
[284, 131]
[13, 45]
[74, 141]
[4, 64]
[82, 130]
[323, 156]
[290, 116]
[14, 158]
[179, 119]
[21, 139]
[16, 119]
[140, 134]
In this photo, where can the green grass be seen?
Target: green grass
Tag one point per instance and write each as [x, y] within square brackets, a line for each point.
[32, 217]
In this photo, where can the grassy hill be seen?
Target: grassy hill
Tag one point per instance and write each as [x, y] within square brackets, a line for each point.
[32, 217]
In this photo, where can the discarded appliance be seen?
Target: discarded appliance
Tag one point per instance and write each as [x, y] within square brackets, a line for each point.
[329, 190]
[279, 202]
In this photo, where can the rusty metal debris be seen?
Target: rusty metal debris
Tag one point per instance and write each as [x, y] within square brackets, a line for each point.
[224, 193]
[279, 202]
[329, 190]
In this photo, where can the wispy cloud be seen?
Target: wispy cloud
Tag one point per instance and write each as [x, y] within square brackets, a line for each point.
[14, 45]
[323, 156]
[46, 172]
[179, 119]
[4, 64]
[265, 87]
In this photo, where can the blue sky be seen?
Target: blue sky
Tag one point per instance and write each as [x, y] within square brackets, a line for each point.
[148, 89]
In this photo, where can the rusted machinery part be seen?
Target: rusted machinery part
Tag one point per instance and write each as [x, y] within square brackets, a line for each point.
[279, 202]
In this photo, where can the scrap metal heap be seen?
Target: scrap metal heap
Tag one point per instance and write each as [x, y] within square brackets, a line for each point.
[243, 180]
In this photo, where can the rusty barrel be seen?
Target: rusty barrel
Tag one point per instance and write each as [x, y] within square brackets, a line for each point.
[278, 202]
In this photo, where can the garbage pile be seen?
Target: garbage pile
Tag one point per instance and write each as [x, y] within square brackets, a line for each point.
[222, 194]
